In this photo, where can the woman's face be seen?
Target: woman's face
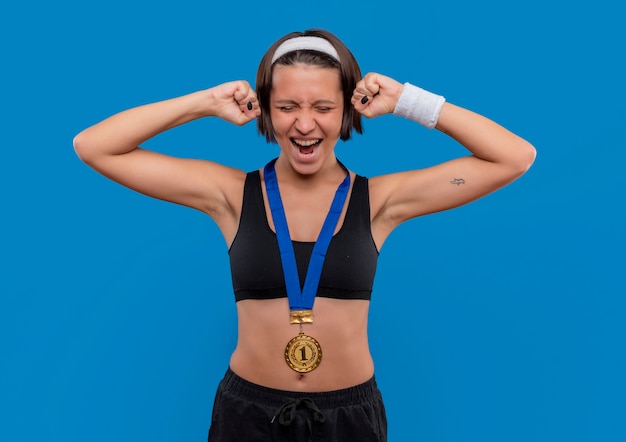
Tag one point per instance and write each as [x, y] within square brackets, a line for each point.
[306, 107]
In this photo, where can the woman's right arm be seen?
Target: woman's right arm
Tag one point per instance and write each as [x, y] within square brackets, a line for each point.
[111, 147]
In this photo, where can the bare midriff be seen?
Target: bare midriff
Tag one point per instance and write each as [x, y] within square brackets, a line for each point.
[340, 326]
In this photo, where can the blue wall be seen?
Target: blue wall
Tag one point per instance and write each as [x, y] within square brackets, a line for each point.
[117, 317]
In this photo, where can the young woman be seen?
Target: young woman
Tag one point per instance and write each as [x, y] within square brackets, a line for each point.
[304, 231]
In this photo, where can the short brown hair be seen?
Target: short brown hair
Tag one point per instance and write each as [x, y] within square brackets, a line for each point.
[350, 74]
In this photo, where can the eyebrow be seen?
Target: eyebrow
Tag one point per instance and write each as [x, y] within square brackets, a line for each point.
[317, 102]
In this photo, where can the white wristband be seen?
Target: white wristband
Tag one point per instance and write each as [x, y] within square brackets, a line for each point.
[419, 105]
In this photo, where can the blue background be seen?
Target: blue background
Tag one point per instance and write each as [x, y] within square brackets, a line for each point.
[503, 320]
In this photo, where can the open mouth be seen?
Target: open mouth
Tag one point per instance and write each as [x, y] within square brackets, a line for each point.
[306, 147]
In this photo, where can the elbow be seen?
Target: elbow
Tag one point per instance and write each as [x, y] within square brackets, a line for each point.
[82, 145]
[79, 145]
[525, 157]
[530, 155]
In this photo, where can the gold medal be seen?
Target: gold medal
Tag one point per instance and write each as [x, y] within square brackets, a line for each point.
[303, 353]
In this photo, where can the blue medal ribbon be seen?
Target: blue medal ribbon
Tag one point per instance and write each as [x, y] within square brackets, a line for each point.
[302, 300]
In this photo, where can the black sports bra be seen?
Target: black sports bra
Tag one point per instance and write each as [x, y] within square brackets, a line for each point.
[350, 264]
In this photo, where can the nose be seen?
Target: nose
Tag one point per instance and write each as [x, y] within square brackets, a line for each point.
[305, 122]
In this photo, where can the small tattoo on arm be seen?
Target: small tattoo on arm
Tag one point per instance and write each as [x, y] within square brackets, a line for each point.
[458, 181]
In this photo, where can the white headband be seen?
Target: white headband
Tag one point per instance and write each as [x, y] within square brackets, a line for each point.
[305, 43]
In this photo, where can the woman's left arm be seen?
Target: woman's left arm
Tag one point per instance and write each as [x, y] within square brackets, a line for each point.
[497, 158]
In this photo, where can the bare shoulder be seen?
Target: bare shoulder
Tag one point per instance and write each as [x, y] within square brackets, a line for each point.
[385, 189]
[385, 192]
[214, 188]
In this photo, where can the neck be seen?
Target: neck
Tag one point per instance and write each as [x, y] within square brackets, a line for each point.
[330, 171]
